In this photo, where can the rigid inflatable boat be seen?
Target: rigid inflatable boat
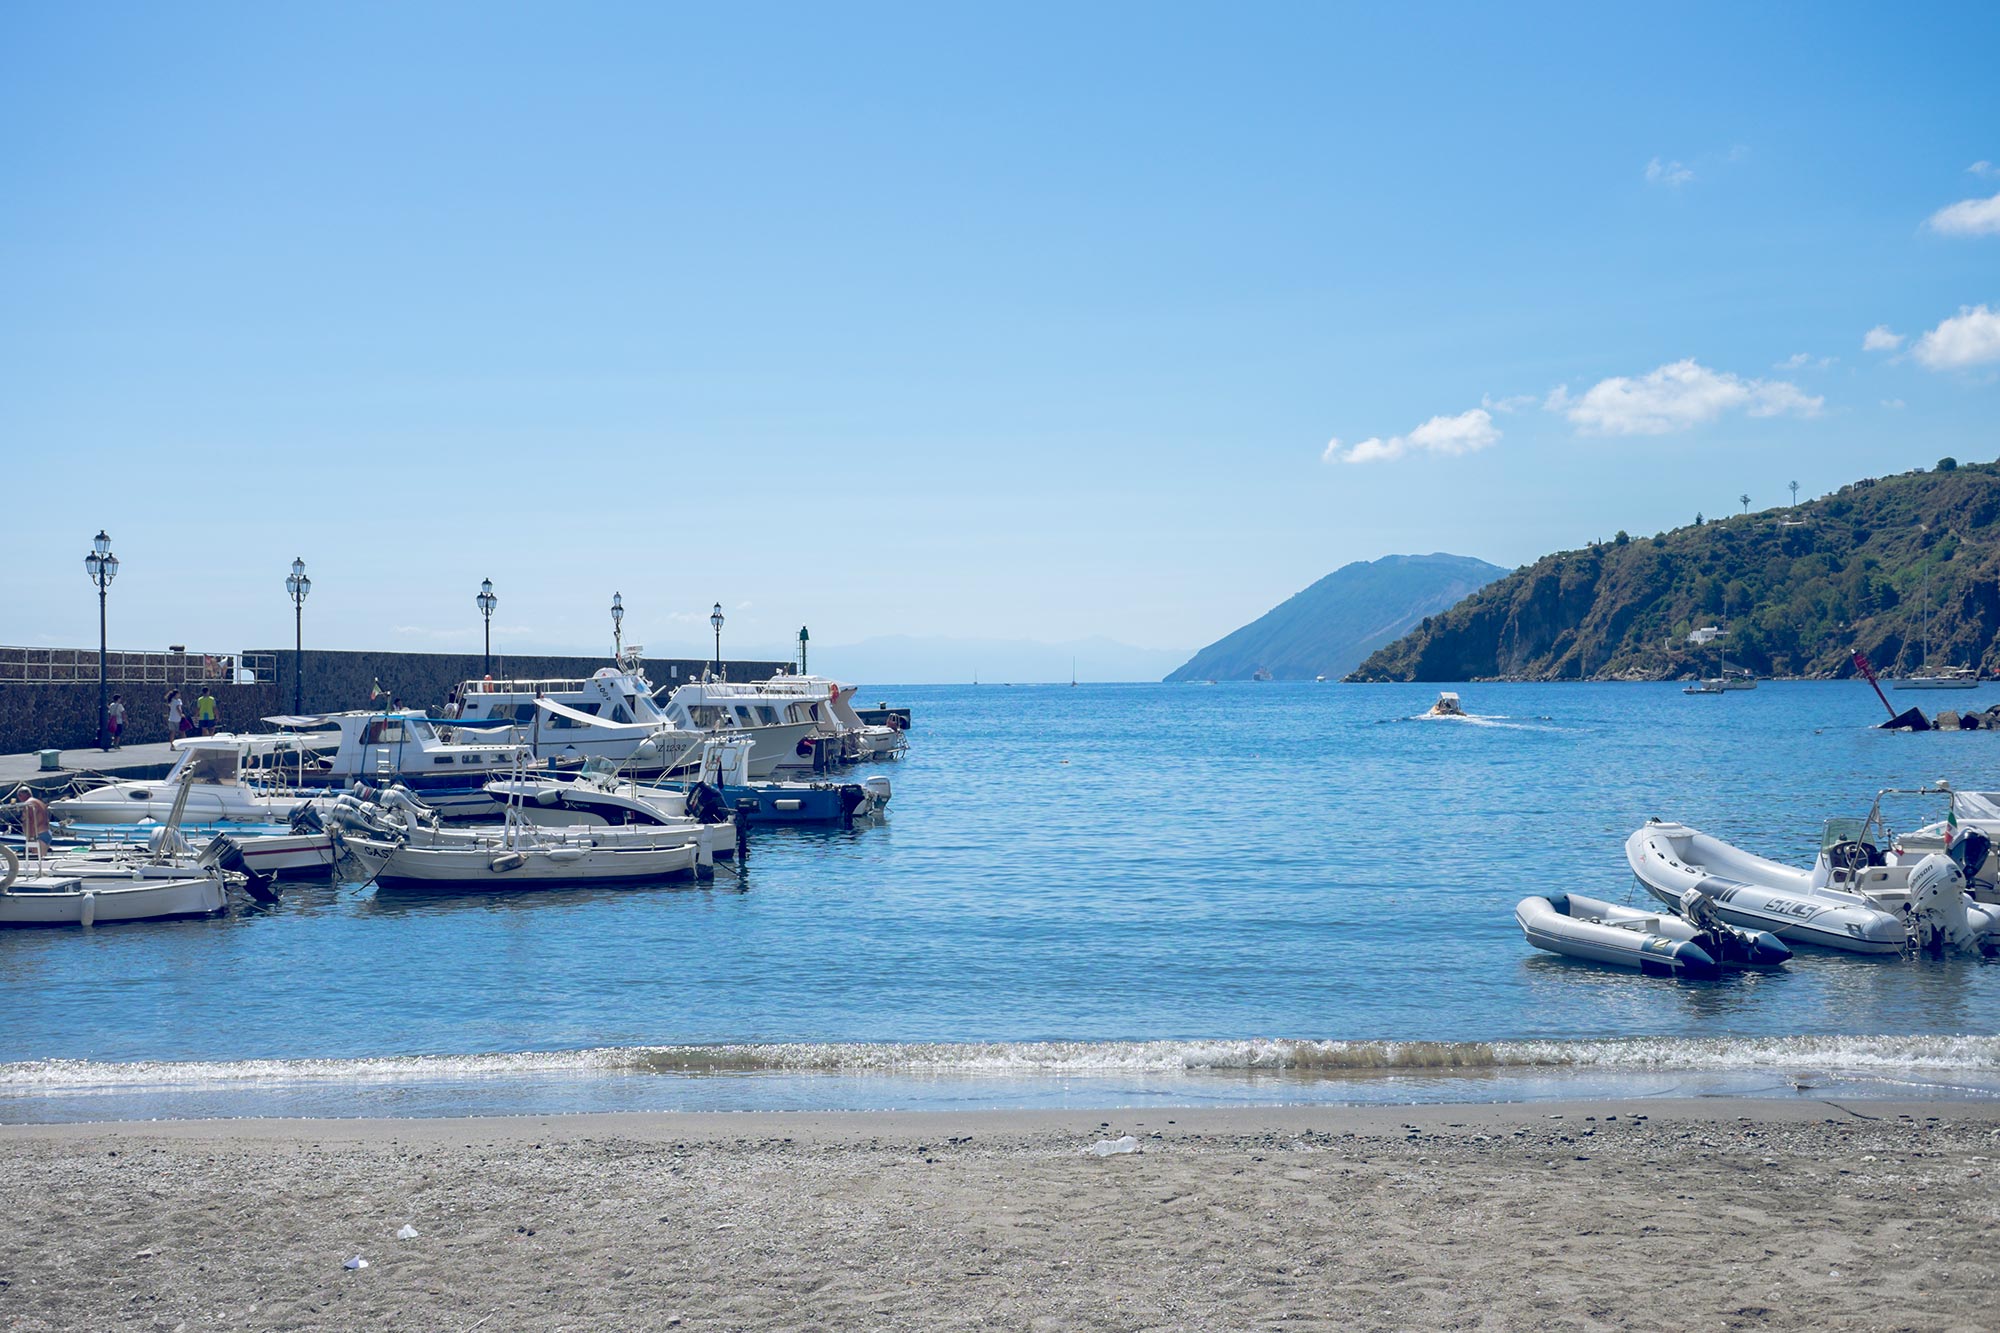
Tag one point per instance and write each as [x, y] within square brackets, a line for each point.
[1747, 890]
[1655, 943]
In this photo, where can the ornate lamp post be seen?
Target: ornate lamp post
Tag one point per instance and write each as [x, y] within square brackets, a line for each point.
[102, 566]
[803, 636]
[715, 619]
[298, 585]
[487, 601]
[617, 627]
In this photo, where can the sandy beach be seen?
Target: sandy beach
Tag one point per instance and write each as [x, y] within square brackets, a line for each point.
[1716, 1213]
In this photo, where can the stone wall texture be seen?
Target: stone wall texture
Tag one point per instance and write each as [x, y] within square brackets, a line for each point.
[62, 714]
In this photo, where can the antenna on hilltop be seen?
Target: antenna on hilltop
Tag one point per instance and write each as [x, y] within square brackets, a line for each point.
[1746, 502]
[1795, 495]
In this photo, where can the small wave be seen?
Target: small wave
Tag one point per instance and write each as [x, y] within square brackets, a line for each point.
[1050, 1058]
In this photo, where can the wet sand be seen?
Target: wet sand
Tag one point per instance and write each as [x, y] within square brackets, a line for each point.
[1720, 1213]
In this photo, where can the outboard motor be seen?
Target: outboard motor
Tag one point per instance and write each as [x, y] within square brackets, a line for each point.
[305, 818]
[1730, 946]
[225, 855]
[877, 786]
[1970, 852]
[1936, 917]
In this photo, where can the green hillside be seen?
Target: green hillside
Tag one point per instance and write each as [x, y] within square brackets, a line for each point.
[1329, 627]
[1797, 590]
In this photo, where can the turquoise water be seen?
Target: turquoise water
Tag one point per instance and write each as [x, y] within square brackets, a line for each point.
[1083, 895]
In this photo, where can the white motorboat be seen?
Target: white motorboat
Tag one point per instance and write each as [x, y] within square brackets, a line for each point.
[1704, 687]
[63, 893]
[1670, 860]
[610, 716]
[822, 706]
[1447, 705]
[383, 746]
[227, 780]
[1655, 943]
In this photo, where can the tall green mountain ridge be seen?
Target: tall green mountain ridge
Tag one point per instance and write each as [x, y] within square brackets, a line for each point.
[1795, 591]
[1328, 628]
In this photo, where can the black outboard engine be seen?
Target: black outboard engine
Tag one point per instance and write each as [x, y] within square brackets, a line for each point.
[226, 855]
[706, 805]
[1731, 946]
[1970, 852]
[305, 818]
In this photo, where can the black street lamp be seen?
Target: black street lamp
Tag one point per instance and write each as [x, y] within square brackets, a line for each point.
[617, 627]
[487, 601]
[715, 619]
[803, 636]
[102, 566]
[298, 585]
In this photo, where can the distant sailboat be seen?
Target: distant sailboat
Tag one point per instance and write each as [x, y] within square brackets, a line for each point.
[1936, 678]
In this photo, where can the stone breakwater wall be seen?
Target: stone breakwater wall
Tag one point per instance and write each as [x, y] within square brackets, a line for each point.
[63, 714]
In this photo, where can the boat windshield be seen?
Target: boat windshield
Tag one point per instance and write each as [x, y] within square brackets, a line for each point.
[1842, 830]
[214, 767]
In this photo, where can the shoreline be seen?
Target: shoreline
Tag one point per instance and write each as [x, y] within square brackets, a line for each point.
[847, 1127]
[1578, 1215]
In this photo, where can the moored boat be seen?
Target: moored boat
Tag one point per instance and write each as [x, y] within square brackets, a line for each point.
[1670, 860]
[1658, 944]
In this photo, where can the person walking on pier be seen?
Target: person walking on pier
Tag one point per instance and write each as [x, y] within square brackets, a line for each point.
[114, 716]
[176, 714]
[204, 711]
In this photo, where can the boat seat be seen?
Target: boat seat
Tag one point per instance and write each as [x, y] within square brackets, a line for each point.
[1644, 926]
[46, 884]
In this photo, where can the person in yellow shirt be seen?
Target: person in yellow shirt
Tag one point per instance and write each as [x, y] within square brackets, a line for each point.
[204, 711]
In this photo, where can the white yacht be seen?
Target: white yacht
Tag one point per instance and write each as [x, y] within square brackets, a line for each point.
[384, 746]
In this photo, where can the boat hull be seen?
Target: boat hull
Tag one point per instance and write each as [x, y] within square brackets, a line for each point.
[92, 900]
[1749, 891]
[1602, 932]
[503, 870]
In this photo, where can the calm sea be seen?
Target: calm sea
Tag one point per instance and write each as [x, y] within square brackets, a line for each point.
[1084, 896]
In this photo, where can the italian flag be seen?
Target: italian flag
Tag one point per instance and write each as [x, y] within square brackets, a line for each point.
[1951, 827]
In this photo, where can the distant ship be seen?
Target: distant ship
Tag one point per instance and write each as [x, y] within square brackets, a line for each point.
[1261, 673]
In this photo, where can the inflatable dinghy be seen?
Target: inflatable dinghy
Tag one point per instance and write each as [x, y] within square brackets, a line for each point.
[1655, 943]
[1672, 860]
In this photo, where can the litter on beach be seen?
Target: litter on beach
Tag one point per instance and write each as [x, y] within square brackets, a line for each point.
[1111, 1147]
[408, 1232]
[356, 1262]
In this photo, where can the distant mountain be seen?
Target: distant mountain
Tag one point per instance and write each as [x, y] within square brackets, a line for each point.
[1794, 591]
[903, 659]
[1327, 629]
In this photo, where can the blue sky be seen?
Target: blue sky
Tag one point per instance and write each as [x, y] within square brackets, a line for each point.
[1035, 324]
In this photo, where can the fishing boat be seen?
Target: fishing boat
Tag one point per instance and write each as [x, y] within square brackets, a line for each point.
[1447, 705]
[722, 789]
[226, 780]
[504, 864]
[1672, 860]
[1656, 944]
[1704, 687]
[69, 896]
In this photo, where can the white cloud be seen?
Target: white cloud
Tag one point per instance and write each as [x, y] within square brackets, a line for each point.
[1968, 217]
[1449, 436]
[1672, 174]
[1881, 339]
[1984, 168]
[1894, 404]
[1969, 338]
[1512, 403]
[1677, 396]
[1804, 361]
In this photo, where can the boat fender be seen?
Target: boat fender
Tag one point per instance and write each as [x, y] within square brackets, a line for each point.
[507, 861]
[13, 870]
[89, 917]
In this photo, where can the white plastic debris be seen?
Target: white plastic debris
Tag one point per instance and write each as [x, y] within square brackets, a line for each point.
[356, 1262]
[1112, 1147]
[407, 1233]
